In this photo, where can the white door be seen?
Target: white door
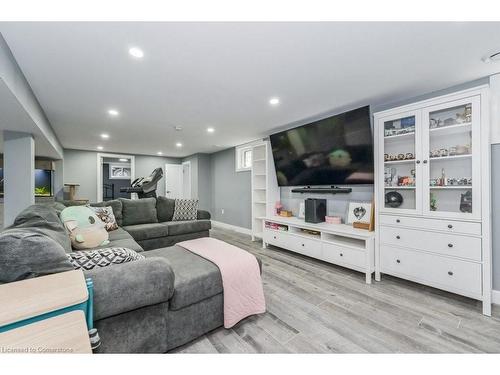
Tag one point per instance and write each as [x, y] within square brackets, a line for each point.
[186, 180]
[173, 181]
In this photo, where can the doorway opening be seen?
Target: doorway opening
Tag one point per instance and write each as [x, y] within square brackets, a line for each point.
[114, 172]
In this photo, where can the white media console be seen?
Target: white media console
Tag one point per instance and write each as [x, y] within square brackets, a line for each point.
[339, 244]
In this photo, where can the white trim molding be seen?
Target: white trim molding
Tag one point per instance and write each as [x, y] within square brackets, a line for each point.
[495, 297]
[220, 224]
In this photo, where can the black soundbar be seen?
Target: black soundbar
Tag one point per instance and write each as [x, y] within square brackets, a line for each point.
[322, 190]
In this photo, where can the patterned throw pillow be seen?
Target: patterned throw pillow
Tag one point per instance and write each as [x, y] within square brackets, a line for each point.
[185, 209]
[89, 259]
[107, 217]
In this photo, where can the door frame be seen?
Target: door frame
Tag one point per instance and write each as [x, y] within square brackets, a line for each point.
[100, 156]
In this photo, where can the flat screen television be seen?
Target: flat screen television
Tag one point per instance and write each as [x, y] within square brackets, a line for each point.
[337, 150]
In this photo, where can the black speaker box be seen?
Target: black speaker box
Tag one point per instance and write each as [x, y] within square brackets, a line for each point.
[315, 210]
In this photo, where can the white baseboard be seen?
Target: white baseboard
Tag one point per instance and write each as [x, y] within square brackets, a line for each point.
[222, 225]
[495, 297]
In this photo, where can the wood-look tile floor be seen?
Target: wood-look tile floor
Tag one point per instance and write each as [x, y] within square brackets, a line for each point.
[315, 307]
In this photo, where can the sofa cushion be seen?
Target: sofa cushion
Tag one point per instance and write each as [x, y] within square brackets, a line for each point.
[195, 278]
[189, 226]
[185, 209]
[138, 211]
[165, 209]
[27, 253]
[142, 232]
[117, 207]
[89, 259]
[121, 238]
[44, 220]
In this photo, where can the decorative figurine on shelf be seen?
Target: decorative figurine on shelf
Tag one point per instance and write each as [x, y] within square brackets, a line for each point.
[278, 207]
[443, 181]
[468, 113]
[393, 199]
[433, 202]
[466, 202]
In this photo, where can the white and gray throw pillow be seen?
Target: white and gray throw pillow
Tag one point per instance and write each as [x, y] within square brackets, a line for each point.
[107, 217]
[89, 259]
[185, 209]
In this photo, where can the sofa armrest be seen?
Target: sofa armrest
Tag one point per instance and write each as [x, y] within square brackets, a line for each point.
[203, 215]
[129, 286]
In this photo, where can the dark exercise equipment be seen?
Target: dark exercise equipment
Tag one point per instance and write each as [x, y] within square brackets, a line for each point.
[145, 187]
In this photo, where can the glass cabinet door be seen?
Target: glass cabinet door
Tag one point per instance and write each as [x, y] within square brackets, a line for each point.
[400, 142]
[451, 158]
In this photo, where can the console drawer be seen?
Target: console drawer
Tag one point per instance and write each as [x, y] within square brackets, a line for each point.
[293, 242]
[305, 246]
[275, 238]
[441, 243]
[458, 276]
[449, 226]
[342, 255]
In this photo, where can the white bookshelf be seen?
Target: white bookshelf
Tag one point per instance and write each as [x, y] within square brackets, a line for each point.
[265, 190]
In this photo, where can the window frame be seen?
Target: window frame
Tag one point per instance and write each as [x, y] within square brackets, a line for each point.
[240, 158]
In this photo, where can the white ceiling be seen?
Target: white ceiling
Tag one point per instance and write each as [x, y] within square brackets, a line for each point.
[197, 75]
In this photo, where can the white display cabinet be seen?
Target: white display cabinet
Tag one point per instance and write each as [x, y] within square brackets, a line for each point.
[265, 190]
[433, 185]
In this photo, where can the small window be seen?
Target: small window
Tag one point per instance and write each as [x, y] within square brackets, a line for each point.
[243, 158]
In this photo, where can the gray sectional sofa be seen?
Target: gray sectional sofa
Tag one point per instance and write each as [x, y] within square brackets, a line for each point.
[150, 305]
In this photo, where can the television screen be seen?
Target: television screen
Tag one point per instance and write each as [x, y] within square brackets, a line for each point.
[337, 150]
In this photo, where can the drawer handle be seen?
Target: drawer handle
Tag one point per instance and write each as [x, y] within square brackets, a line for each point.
[398, 237]
[274, 237]
[425, 161]
[398, 221]
[450, 245]
[303, 245]
[398, 261]
[418, 161]
[341, 254]
[450, 226]
[450, 273]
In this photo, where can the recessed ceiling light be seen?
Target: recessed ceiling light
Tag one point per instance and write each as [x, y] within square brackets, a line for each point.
[491, 58]
[178, 128]
[136, 52]
[178, 144]
[210, 130]
[104, 136]
[159, 153]
[99, 147]
[123, 159]
[113, 112]
[274, 101]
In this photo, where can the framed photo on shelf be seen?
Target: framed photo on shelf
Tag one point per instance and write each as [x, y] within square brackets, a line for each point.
[359, 212]
[119, 172]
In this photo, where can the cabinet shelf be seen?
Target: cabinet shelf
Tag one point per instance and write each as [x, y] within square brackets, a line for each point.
[400, 187]
[453, 187]
[399, 136]
[452, 129]
[406, 161]
[452, 157]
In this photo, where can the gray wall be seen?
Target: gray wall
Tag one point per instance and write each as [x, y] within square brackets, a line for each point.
[81, 167]
[231, 190]
[204, 182]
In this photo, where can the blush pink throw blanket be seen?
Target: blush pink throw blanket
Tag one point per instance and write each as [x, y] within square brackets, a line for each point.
[243, 291]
